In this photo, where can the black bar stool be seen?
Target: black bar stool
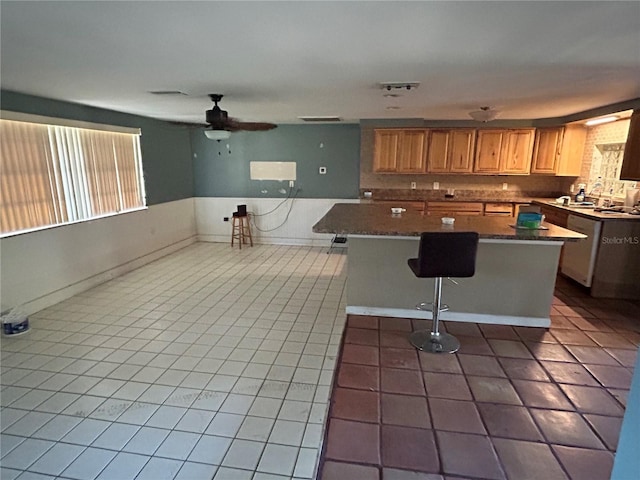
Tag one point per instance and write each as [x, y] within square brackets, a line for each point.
[442, 254]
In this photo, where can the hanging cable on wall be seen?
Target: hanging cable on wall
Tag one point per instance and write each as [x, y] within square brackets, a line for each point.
[292, 194]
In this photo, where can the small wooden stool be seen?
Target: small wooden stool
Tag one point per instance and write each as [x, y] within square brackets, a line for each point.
[241, 230]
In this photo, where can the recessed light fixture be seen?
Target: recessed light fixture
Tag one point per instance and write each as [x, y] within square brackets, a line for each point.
[601, 120]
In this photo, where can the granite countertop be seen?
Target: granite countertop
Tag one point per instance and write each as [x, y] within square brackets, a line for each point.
[586, 212]
[372, 219]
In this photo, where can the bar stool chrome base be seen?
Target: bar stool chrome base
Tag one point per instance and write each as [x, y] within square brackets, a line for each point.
[434, 342]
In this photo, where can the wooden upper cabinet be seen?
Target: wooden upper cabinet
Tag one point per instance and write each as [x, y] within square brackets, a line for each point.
[386, 150]
[461, 145]
[451, 151]
[573, 142]
[488, 151]
[413, 151]
[559, 150]
[546, 150]
[517, 150]
[631, 160]
[399, 150]
[504, 151]
[438, 159]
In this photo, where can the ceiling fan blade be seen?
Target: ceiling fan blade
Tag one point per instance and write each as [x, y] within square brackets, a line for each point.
[249, 126]
[218, 119]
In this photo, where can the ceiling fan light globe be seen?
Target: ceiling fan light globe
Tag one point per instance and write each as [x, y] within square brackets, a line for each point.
[217, 134]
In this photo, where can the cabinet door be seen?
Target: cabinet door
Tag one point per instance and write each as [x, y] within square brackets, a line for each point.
[571, 153]
[437, 160]
[546, 151]
[412, 151]
[488, 151]
[386, 149]
[631, 160]
[461, 143]
[517, 150]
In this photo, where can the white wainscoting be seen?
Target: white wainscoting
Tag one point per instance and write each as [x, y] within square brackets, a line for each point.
[296, 230]
[42, 268]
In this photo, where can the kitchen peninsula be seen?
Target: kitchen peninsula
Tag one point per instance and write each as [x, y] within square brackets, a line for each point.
[515, 272]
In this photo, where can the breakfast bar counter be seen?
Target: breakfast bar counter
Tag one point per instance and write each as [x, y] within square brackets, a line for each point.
[515, 269]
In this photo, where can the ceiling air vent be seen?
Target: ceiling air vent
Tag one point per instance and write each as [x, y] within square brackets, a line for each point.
[321, 118]
[388, 86]
[167, 92]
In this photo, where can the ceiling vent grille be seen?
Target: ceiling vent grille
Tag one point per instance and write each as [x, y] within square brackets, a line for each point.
[328, 118]
[399, 85]
[167, 92]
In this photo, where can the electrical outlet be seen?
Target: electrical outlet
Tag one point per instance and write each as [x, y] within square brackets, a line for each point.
[505, 186]
[436, 185]
[291, 183]
[225, 219]
[571, 188]
[413, 185]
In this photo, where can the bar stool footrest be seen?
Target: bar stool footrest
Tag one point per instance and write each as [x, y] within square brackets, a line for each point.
[428, 307]
[428, 341]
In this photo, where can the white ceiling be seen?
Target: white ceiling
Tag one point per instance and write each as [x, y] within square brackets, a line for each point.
[275, 61]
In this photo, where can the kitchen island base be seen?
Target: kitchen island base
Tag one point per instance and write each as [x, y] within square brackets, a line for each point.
[513, 283]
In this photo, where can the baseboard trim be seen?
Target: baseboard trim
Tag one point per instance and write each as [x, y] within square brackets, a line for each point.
[302, 242]
[451, 316]
[69, 291]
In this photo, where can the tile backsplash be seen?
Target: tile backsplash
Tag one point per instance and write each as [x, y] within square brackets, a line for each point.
[603, 158]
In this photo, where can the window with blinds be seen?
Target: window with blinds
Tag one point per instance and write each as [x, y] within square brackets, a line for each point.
[53, 174]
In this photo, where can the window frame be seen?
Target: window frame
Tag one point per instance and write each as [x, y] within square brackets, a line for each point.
[135, 165]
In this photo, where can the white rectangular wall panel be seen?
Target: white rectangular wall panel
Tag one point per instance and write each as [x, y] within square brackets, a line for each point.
[273, 170]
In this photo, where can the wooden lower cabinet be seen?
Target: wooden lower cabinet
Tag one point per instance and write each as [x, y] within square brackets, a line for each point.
[554, 216]
[498, 209]
[452, 209]
[416, 206]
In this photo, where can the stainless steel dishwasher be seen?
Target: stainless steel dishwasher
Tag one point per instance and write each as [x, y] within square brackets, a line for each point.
[579, 258]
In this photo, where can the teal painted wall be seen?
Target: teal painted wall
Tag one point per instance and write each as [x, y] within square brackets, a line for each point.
[166, 149]
[224, 172]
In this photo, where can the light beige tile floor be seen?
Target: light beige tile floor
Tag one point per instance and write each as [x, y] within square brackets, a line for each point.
[208, 363]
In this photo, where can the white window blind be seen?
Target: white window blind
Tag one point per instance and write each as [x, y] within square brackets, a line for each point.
[54, 174]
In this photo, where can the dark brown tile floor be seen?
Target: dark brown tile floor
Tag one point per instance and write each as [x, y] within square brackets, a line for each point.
[513, 403]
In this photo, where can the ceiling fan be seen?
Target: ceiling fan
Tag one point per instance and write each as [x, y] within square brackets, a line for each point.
[219, 123]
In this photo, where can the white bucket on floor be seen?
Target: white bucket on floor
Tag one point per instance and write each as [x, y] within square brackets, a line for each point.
[15, 322]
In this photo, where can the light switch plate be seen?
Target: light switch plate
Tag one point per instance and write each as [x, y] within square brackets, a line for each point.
[436, 185]
[322, 170]
[413, 185]
[505, 186]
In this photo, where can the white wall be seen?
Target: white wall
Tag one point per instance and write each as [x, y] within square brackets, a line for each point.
[42, 268]
[305, 212]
